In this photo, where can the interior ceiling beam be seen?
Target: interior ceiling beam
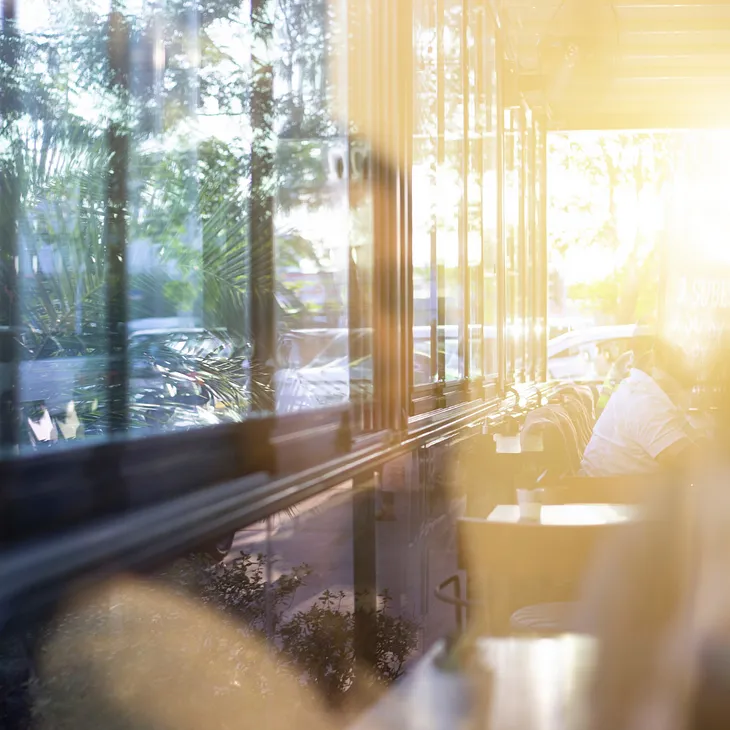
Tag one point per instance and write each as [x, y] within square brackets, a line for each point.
[641, 57]
[612, 120]
[676, 61]
[675, 48]
[660, 75]
[657, 4]
[678, 89]
[550, 7]
[662, 24]
[568, 104]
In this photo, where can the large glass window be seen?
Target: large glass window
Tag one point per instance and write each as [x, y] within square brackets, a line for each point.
[529, 261]
[512, 221]
[454, 192]
[475, 109]
[450, 188]
[490, 213]
[313, 164]
[182, 201]
[425, 151]
[540, 271]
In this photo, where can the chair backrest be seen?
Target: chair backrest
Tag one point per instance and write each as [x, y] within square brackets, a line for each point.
[522, 551]
[579, 417]
[506, 562]
[561, 443]
[583, 393]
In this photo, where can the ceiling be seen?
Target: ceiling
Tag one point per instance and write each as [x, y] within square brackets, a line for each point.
[607, 64]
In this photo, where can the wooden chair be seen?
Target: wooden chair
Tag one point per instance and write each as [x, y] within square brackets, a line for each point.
[512, 566]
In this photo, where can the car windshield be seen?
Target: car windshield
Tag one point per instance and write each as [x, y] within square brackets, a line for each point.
[190, 344]
[202, 345]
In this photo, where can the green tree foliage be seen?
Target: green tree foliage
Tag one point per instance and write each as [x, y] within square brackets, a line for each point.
[188, 196]
[599, 180]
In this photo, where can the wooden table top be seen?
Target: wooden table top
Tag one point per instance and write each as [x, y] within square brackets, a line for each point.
[523, 684]
[538, 684]
[567, 515]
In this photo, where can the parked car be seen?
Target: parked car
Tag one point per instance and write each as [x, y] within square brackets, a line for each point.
[161, 386]
[588, 354]
[222, 363]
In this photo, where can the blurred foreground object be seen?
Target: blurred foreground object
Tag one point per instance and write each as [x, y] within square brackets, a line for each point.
[495, 684]
[660, 604]
[133, 655]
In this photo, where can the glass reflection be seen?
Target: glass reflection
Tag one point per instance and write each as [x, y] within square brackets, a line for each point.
[450, 188]
[512, 192]
[138, 142]
[425, 155]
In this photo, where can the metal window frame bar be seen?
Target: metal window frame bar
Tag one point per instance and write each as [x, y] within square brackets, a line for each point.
[44, 494]
[522, 287]
[534, 259]
[387, 210]
[118, 50]
[501, 219]
[36, 572]
[490, 65]
[543, 243]
[463, 228]
[9, 213]
[261, 211]
[405, 94]
[480, 127]
[359, 54]
[440, 352]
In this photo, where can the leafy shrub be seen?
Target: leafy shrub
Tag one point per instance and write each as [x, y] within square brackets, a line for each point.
[314, 644]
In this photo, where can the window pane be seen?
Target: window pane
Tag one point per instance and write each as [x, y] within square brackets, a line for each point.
[57, 139]
[512, 192]
[450, 178]
[489, 198]
[425, 151]
[139, 145]
[475, 228]
[313, 163]
[542, 271]
[482, 198]
[529, 262]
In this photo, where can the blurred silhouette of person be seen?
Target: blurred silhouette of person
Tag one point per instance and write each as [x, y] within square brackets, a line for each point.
[641, 347]
[643, 427]
[658, 600]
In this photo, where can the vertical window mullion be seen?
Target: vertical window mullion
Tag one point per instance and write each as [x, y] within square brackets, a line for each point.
[261, 207]
[438, 268]
[381, 190]
[9, 217]
[116, 226]
[543, 243]
[480, 127]
[404, 97]
[522, 241]
[501, 228]
[464, 339]
[535, 271]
